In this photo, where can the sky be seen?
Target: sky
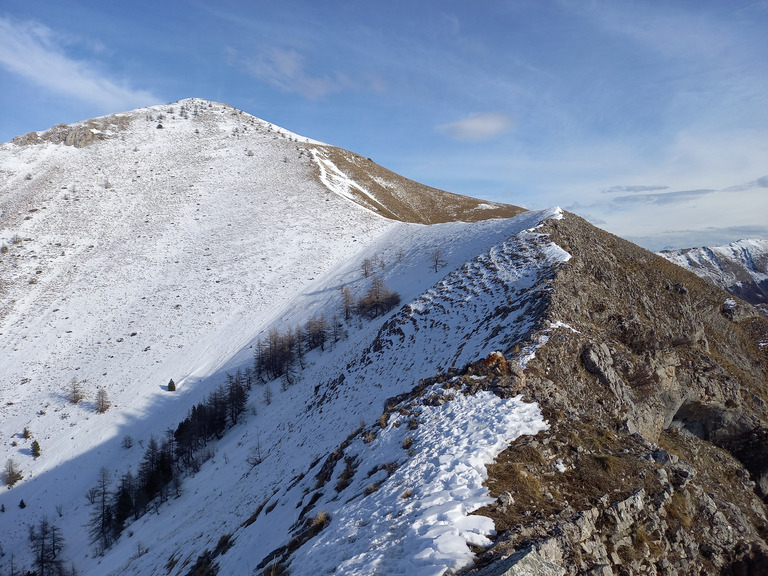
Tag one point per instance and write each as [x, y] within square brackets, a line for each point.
[649, 119]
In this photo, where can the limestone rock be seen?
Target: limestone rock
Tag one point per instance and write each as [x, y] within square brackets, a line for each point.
[525, 563]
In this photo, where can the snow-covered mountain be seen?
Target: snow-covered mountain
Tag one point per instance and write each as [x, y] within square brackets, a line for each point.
[740, 267]
[434, 383]
[163, 244]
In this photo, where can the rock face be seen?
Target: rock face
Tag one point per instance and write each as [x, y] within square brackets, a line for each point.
[740, 267]
[657, 459]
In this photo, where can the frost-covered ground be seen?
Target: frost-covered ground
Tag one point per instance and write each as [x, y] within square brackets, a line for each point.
[167, 253]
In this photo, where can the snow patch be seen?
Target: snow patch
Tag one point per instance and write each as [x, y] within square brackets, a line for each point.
[416, 521]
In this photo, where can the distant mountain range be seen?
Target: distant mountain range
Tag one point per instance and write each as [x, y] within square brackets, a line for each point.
[226, 348]
[740, 267]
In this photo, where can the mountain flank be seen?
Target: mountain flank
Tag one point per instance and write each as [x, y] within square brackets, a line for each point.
[536, 397]
[656, 461]
[393, 196]
[356, 178]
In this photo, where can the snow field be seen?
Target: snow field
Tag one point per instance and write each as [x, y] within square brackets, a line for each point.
[175, 272]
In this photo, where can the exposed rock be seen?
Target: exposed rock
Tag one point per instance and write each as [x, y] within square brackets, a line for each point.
[525, 563]
[77, 135]
[657, 403]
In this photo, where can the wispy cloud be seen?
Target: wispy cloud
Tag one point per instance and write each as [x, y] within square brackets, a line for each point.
[36, 53]
[285, 69]
[664, 198]
[622, 189]
[761, 182]
[478, 127]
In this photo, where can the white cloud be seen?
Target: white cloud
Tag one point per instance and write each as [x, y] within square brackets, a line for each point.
[478, 127]
[33, 51]
[285, 69]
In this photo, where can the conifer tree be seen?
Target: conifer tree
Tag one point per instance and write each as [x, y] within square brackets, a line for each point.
[11, 473]
[101, 527]
[36, 449]
[46, 544]
[347, 302]
[76, 393]
[102, 401]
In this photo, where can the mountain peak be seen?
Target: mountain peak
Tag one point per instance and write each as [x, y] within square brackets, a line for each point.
[197, 123]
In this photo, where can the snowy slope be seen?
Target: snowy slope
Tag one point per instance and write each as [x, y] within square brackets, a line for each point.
[740, 267]
[162, 253]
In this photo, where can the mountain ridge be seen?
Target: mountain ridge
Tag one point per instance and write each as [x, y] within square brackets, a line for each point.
[545, 394]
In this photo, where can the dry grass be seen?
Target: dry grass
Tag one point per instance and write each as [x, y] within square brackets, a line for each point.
[409, 201]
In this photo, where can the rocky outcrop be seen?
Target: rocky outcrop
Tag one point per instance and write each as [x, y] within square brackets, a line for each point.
[77, 135]
[657, 459]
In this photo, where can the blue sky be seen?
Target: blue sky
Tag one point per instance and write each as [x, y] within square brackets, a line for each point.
[648, 118]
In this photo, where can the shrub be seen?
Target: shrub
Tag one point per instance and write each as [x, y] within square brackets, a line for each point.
[171, 386]
[371, 488]
[321, 520]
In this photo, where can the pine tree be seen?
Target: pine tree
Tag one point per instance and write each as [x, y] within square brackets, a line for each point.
[102, 401]
[76, 393]
[436, 257]
[36, 449]
[299, 338]
[102, 517]
[367, 267]
[46, 544]
[236, 398]
[171, 386]
[11, 473]
[347, 303]
[377, 300]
